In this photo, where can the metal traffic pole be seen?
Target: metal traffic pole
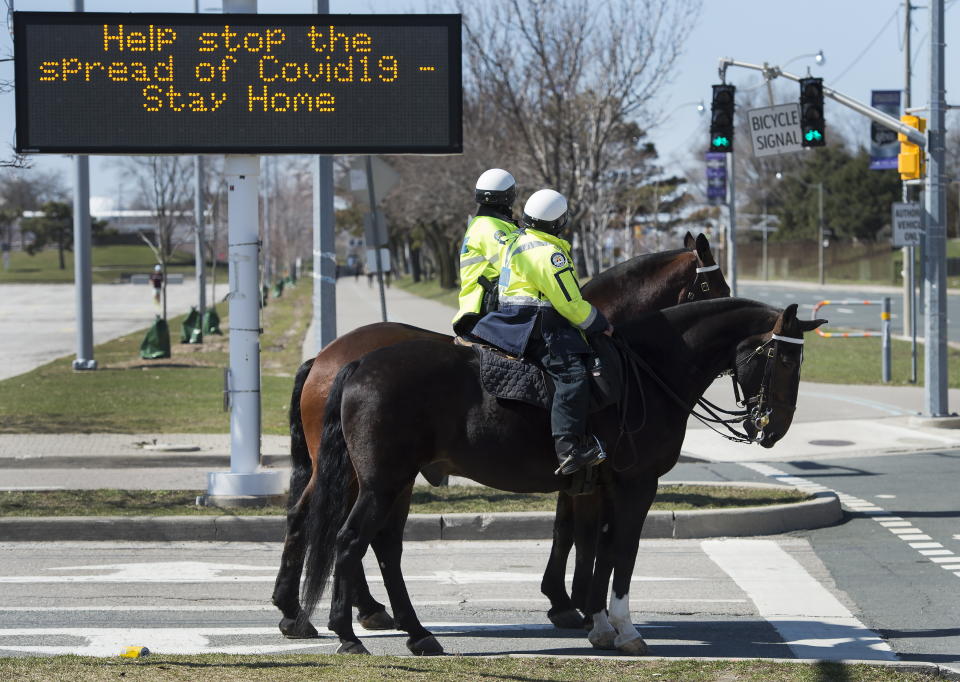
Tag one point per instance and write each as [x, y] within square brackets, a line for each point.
[885, 326]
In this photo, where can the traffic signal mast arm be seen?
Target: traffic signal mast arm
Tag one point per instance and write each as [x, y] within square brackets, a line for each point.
[887, 121]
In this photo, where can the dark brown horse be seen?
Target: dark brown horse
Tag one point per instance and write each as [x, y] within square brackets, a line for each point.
[419, 404]
[645, 283]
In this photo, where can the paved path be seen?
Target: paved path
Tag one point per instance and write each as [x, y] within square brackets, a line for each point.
[38, 321]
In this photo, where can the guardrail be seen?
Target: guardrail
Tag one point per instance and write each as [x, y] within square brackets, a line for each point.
[884, 332]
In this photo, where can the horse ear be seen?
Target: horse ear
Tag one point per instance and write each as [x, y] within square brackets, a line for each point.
[810, 325]
[688, 241]
[788, 315]
[703, 250]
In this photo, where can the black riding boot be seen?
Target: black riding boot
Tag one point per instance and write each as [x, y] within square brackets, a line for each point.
[577, 452]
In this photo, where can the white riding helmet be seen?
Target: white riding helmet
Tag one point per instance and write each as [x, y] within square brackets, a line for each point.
[496, 187]
[545, 210]
[157, 268]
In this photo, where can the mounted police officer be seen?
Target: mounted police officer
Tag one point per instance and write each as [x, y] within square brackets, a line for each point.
[543, 316]
[491, 230]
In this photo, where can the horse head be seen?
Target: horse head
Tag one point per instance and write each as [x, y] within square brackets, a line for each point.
[709, 281]
[767, 368]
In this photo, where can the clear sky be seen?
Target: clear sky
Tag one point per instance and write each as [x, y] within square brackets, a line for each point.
[862, 41]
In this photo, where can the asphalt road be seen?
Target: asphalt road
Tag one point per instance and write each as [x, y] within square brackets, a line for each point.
[847, 317]
[691, 598]
[897, 557]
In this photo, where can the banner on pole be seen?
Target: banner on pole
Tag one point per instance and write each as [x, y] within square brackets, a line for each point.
[716, 177]
[884, 146]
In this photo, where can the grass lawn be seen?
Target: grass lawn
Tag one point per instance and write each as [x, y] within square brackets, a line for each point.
[109, 262]
[295, 668]
[181, 394]
[833, 361]
[426, 500]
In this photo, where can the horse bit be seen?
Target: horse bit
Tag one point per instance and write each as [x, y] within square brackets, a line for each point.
[762, 404]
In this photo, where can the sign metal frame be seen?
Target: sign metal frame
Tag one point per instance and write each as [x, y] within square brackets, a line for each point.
[22, 21]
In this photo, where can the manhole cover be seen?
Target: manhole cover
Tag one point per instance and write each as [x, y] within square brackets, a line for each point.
[832, 443]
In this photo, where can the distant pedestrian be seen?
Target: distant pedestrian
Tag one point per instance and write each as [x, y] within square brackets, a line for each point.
[156, 279]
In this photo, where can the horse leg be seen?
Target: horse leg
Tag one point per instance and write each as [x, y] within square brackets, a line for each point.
[352, 541]
[562, 612]
[602, 634]
[388, 546]
[627, 541]
[371, 614]
[287, 587]
[586, 522]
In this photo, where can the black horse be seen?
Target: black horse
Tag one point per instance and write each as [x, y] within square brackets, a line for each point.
[640, 285]
[417, 403]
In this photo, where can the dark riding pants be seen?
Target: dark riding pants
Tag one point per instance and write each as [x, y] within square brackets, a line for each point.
[568, 414]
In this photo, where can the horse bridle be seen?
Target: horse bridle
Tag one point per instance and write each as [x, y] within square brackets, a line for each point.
[756, 408]
[704, 288]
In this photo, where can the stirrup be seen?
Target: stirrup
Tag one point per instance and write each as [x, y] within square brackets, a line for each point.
[591, 457]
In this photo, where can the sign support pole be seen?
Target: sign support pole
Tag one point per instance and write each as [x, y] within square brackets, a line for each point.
[243, 235]
[244, 480]
[82, 265]
[324, 242]
[376, 247]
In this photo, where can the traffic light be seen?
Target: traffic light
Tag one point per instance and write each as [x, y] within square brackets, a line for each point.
[812, 125]
[721, 118]
[910, 161]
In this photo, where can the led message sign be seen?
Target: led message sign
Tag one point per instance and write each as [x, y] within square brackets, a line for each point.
[243, 83]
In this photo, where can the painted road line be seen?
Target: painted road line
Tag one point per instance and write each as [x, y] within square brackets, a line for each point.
[104, 642]
[883, 407]
[269, 608]
[810, 620]
[935, 552]
[192, 572]
[899, 527]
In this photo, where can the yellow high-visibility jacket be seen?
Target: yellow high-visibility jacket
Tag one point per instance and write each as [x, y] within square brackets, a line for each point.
[480, 255]
[538, 282]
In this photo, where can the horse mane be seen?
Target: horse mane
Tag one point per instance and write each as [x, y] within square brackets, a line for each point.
[628, 269]
[663, 328]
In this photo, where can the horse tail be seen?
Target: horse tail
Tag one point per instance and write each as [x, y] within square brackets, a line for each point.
[328, 510]
[299, 453]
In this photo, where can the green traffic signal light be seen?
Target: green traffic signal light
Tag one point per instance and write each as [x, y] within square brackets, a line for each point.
[813, 136]
[720, 141]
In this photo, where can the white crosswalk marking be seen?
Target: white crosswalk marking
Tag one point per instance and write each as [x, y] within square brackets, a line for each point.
[811, 620]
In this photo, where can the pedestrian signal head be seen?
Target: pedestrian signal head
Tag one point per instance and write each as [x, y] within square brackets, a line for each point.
[545, 210]
[910, 161]
[496, 187]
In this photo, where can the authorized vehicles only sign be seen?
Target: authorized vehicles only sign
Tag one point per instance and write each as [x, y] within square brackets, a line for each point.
[775, 130]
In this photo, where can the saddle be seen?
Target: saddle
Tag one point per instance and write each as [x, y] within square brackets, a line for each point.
[511, 378]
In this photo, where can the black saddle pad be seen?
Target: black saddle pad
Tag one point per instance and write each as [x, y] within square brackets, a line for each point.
[511, 378]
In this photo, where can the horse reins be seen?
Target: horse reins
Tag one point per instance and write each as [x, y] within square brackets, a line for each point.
[762, 404]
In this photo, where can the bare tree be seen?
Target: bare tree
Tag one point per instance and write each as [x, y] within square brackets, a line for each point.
[165, 186]
[570, 76]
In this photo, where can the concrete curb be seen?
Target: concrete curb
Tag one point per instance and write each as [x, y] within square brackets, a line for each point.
[821, 511]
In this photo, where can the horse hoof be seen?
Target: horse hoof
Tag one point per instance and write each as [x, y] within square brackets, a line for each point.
[603, 640]
[291, 628]
[569, 619]
[633, 647]
[352, 648]
[426, 646]
[378, 620]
